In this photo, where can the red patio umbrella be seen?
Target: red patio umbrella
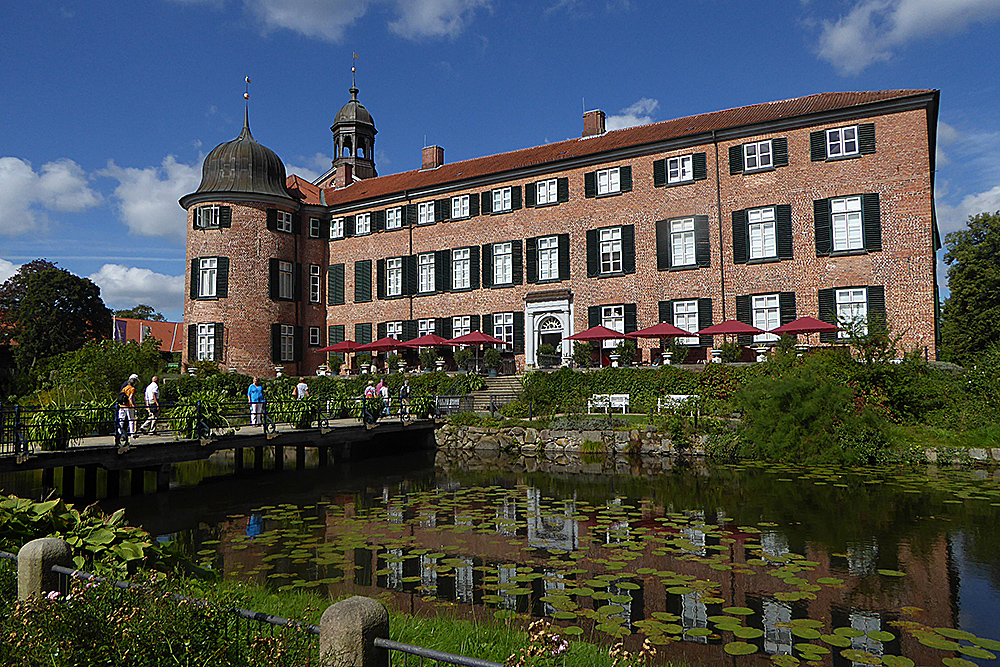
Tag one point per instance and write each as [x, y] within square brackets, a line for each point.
[386, 344]
[343, 346]
[429, 340]
[805, 325]
[729, 327]
[599, 333]
[661, 330]
[477, 338]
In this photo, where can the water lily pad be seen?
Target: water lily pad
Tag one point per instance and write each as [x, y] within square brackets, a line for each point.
[953, 633]
[990, 644]
[891, 573]
[862, 657]
[572, 630]
[740, 648]
[698, 632]
[785, 660]
[934, 641]
[738, 611]
[897, 661]
[811, 650]
[748, 633]
[564, 616]
[958, 662]
[836, 640]
[848, 632]
[976, 652]
[829, 581]
[881, 636]
[680, 590]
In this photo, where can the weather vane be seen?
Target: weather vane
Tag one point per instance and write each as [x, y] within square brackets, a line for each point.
[246, 93]
[354, 70]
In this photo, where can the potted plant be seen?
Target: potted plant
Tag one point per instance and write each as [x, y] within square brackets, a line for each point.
[463, 358]
[626, 351]
[491, 359]
[364, 361]
[546, 355]
[392, 362]
[428, 358]
[582, 354]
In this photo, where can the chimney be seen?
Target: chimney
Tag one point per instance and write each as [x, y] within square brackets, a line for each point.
[593, 123]
[433, 157]
[343, 176]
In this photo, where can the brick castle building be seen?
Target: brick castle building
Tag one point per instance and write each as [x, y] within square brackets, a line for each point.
[820, 205]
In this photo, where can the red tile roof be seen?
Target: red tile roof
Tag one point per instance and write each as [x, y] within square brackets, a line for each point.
[303, 190]
[613, 140]
[170, 334]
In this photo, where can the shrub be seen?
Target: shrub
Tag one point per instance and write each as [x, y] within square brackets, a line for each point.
[626, 351]
[582, 354]
[730, 351]
[428, 358]
[491, 358]
[544, 355]
[464, 357]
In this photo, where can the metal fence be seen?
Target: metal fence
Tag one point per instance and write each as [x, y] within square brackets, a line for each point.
[404, 651]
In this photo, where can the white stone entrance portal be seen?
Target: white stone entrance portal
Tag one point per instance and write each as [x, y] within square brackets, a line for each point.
[548, 320]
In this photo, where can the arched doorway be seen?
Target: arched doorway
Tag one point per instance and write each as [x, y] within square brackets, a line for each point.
[550, 332]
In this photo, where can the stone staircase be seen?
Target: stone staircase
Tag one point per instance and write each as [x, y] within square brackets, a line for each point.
[502, 390]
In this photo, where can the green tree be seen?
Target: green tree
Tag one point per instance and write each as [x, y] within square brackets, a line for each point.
[970, 318]
[141, 312]
[98, 369]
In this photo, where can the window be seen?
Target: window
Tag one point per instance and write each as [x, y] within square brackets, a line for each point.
[394, 218]
[206, 342]
[686, 317]
[682, 242]
[761, 228]
[314, 228]
[766, 316]
[842, 141]
[394, 276]
[425, 327]
[852, 306]
[207, 217]
[394, 330]
[285, 280]
[337, 228]
[613, 317]
[363, 224]
[207, 273]
[460, 263]
[314, 284]
[609, 181]
[461, 325]
[611, 250]
[425, 271]
[314, 336]
[501, 200]
[846, 217]
[460, 206]
[503, 265]
[546, 193]
[757, 155]
[679, 169]
[425, 213]
[287, 349]
[503, 328]
[284, 221]
[548, 258]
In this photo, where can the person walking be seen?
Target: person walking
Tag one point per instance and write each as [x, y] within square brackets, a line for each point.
[301, 390]
[368, 411]
[255, 396]
[386, 400]
[404, 400]
[126, 405]
[152, 396]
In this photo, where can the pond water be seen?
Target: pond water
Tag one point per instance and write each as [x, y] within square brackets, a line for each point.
[712, 563]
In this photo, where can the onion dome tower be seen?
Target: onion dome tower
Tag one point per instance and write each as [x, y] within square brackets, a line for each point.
[354, 138]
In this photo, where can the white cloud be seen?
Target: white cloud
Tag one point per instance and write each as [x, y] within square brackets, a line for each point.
[315, 166]
[873, 29]
[952, 218]
[147, 198]
[434, 18]
[7, 269]
[25, 195]
[946, 135]
[637, 114]
[124, 286]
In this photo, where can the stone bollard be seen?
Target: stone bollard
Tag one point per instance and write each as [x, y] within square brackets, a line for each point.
[34, 566]
[347, 633]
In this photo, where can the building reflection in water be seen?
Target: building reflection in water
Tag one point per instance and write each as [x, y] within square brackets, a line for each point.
[549, 530]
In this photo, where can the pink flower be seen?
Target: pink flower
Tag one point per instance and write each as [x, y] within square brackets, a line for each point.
[53, 595]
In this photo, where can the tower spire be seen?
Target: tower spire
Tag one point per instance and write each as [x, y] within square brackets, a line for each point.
[354, 70]
[246, 109]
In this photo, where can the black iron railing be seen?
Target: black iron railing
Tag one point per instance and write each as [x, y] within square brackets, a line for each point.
[421, 653]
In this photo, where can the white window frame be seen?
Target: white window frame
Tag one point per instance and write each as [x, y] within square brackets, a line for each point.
[394, 218]
[286, 280]
[460, 207]
[686, 317]
[362, 224]
[610, 250]
[461, 263]
[394, 276]
[609, 181]
[425, 273]
[613, 317]
[548, 258]
[682, 249]
[762, 233]
[315, 284]
[847, 225]
[394, 329]
[425, 326]
[547, 192]
[842, 142]
[287, 343]
[461, 325]
[503, 263]
[211, 212]
[425, 213]
[680, 169]
[314, 336]
[758, 155]
[206, 342]
[337, 228]
[208, 277]
[852, 304]
[503, 328]
[765, 311]
[314, 228]
[502, 200]
[284, 221]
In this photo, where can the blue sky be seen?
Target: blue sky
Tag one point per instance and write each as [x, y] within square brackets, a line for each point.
[109, 108]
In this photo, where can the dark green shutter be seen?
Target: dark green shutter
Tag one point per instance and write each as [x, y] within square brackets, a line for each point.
[628, 248]
[665, 311]
[442, 327]
[487, 264]
[871, 221]
[659, 173]
[562, 189]
[517, 262]
[409, 329]
[363, 281]
[625, 178]
[740, 240]
[631, 318]
[410, 215]
[440, 206]
[192, 343]
[563, 256]
[473, 205]
[823, 228]
[817, 145]
[363, 333]
[222, 277]
[297, 343]
[442, 270]
[779, 152]
[272, 219]
[486, 202]
[410, 275]
[699, 166]
[276, 343]
[593, 316]
[515, 198]
[217, 343]
[786, 307]
[296, 223]
[866, 138]
[297, 282]
[195, 264]
[783, 231]
[704, 320]
[474, 267]
[744, 314]
[335, 334]
[590, 184]
[349, 226]
[474, 323]
[736, 159]
[530, 192]
[381, 330]
[663, 245]
[828, 313]
[593, 254]
[272, 273]
[487, 324]
[378, 221]
[225, 216]
[702, 247]
[876, 305]
[335, 285]
[518, 332]
[531, 260]
[380, 280]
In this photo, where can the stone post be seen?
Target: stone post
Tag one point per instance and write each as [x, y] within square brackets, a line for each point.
[347, 632]
[34, 566]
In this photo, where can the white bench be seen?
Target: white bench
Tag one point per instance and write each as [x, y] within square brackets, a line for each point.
[679, 402]
[608, 402]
